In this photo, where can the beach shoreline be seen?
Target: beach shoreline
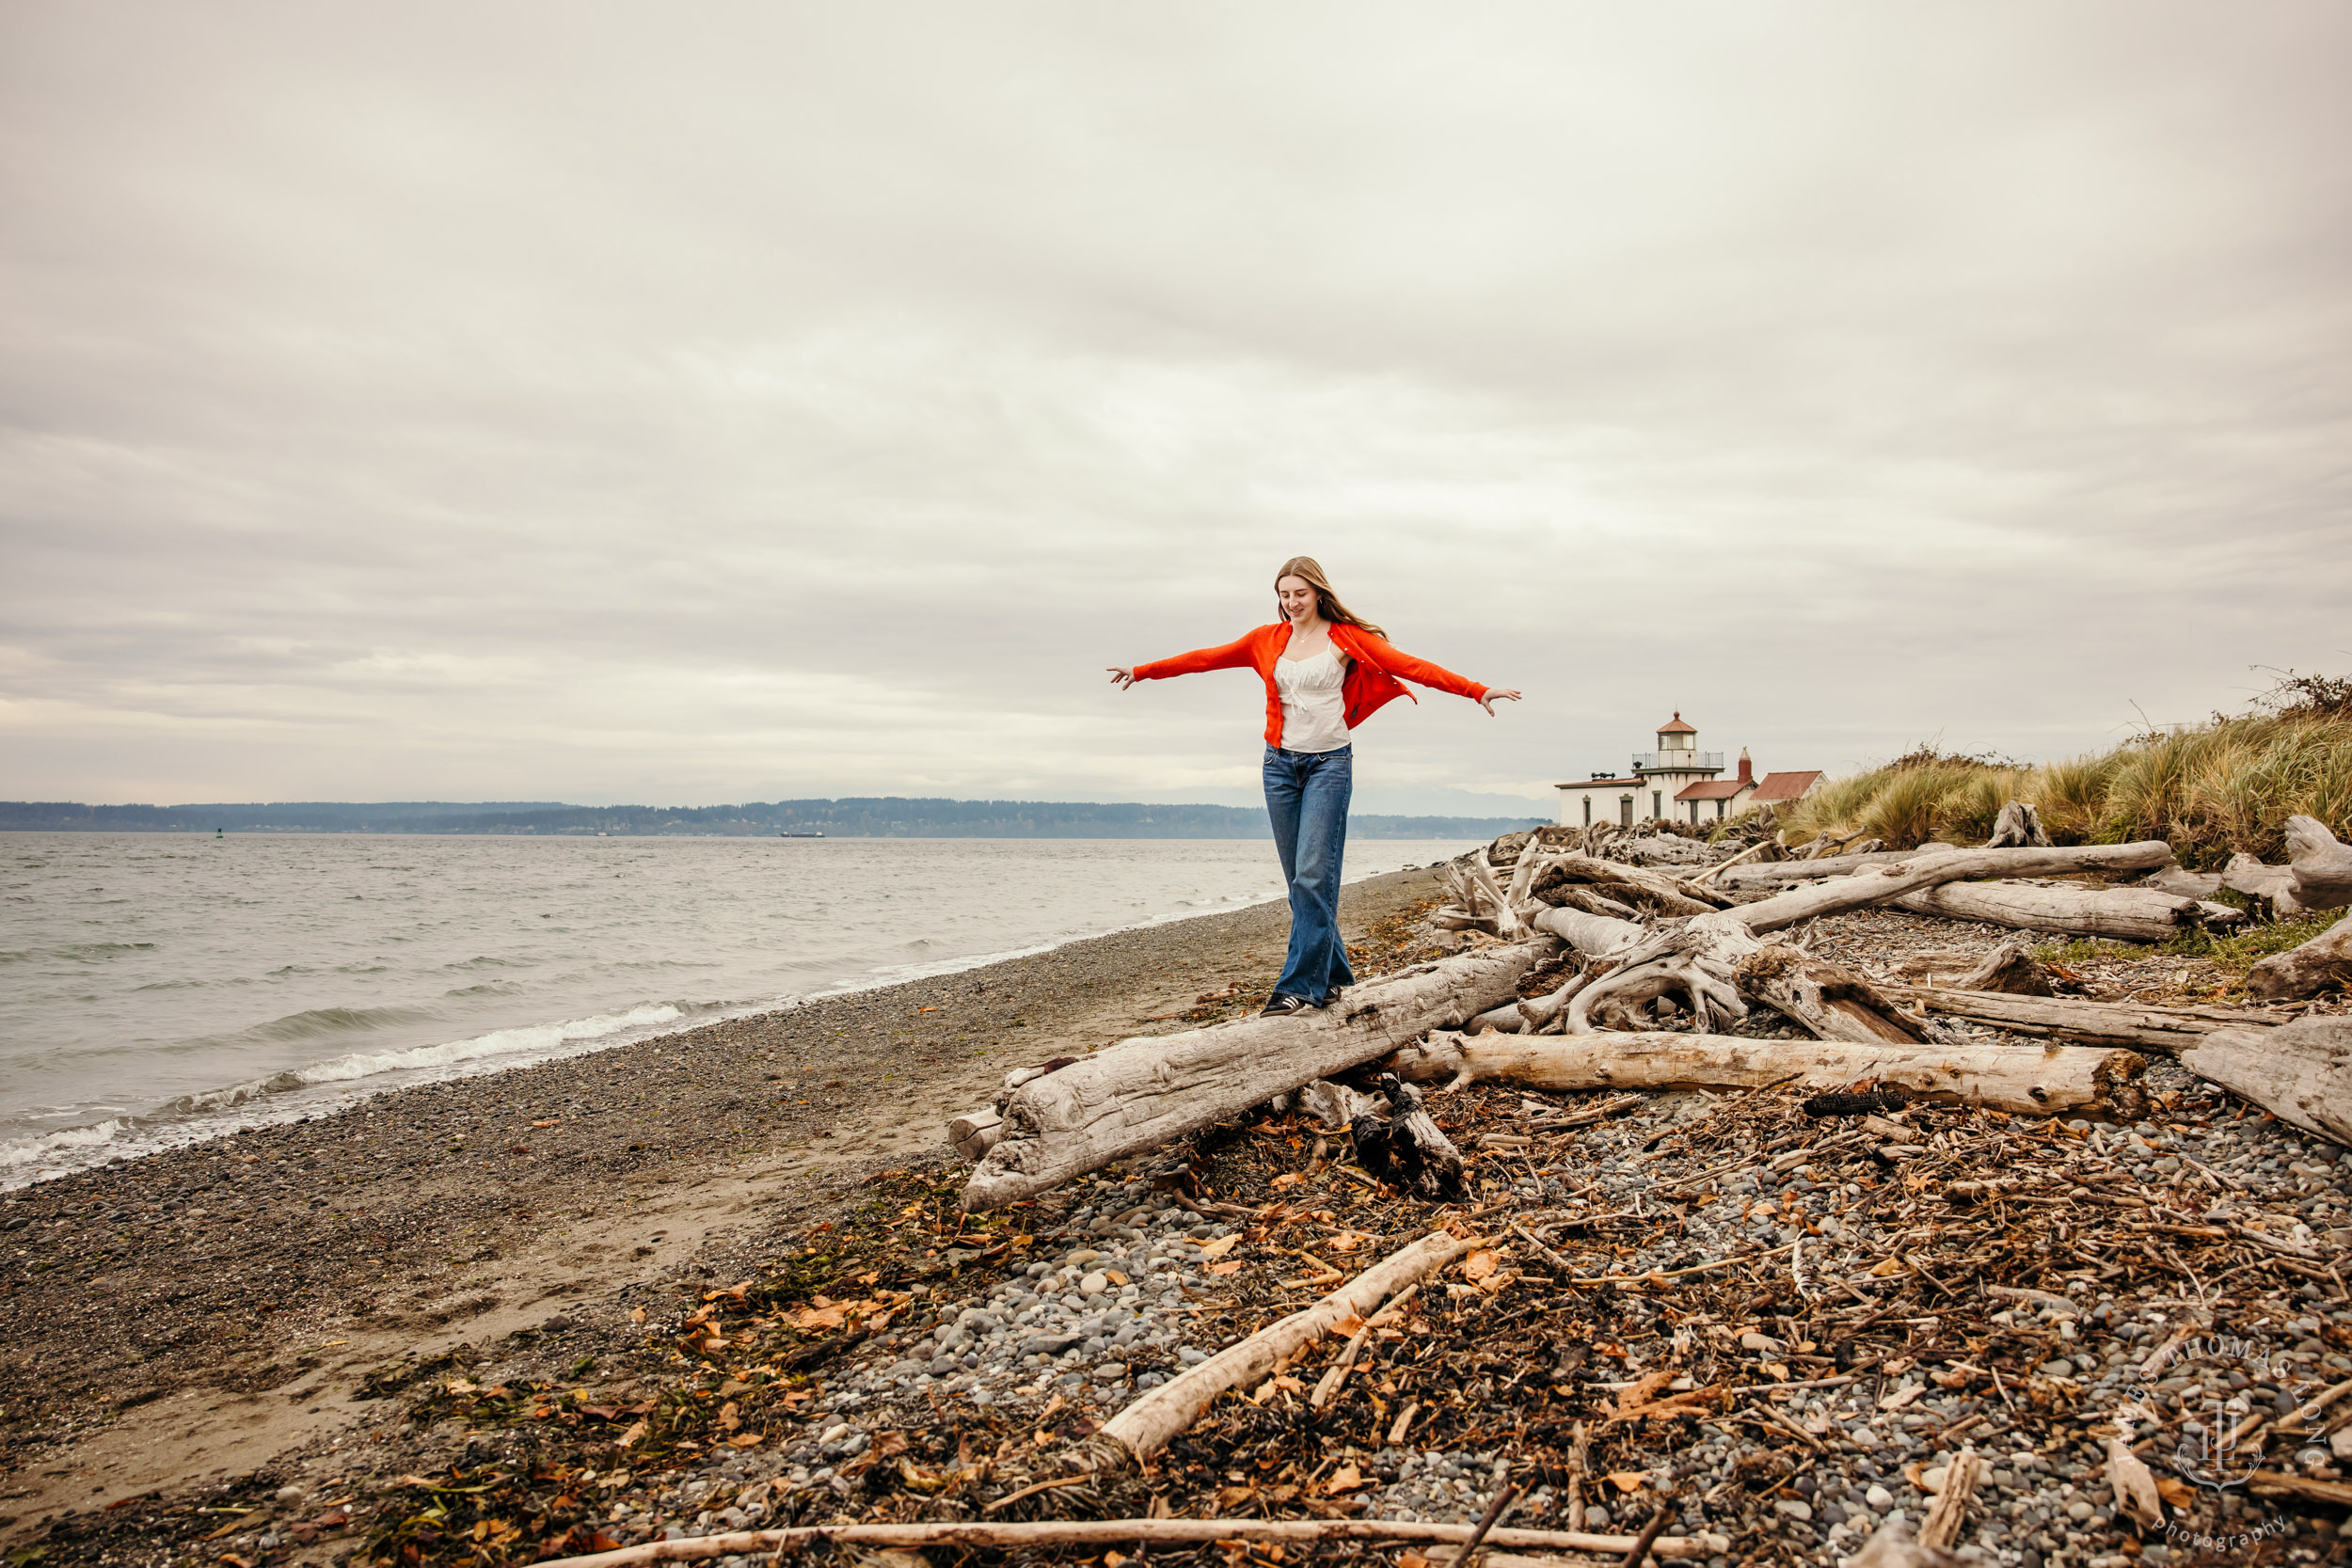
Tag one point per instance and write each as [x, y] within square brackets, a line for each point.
[226, 1297]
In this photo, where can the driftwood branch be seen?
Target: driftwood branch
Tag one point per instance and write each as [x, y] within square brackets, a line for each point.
[1149, 1424]
[1098, 1533]
[2036, 1080]
[1147, 1091]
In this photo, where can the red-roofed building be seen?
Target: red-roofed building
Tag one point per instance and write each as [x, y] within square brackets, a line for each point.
[1677, 780]
[1779, 789]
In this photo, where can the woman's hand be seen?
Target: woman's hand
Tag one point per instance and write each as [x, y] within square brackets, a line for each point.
[1497, 694]
[1122, 675]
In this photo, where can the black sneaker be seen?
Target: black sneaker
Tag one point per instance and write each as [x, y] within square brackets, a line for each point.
[1284, 1006]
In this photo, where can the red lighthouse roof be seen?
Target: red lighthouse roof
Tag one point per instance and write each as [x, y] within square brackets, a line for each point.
[1675, 726]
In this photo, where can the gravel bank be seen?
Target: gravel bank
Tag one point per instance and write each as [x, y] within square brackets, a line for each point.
[226, 1297]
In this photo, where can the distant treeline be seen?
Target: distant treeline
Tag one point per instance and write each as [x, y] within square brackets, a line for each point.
[887, 816]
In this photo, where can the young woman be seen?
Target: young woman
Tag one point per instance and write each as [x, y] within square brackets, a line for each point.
[1325, 670]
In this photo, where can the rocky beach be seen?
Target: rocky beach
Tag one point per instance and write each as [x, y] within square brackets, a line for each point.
[227, 1298]
[721, 1282]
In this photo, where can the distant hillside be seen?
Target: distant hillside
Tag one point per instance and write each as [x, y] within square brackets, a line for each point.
[887, 816]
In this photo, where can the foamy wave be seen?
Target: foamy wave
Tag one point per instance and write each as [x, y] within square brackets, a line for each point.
[499, 1042]
[75, 1145]
[49, 1146]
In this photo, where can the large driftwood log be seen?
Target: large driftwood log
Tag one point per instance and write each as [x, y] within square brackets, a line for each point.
[2320, 964]
[2300, 1071]
[1880, 884]
[2036, 1080]
[1147, 1091]
[2129, 913]
[2322, 866]
[2170, 1030]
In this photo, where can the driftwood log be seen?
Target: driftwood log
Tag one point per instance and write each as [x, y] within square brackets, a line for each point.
[1700, 959]
[2169, 1030]
[1095, 1534]
[2322, 866]
[2036, 1080]
[1144, 1092]
[1149, 1424]
[1789, 873]
[2009, 968]
[2323, 963]
[2175, 878]
[2274, 885]
[2128, 914]
[2300, 1071]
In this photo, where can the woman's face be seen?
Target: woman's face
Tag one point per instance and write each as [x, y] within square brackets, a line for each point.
[1297, 597]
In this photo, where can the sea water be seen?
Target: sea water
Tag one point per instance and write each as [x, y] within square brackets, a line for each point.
[155, 987]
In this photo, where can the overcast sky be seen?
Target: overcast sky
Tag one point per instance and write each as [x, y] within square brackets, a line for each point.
[702, 403]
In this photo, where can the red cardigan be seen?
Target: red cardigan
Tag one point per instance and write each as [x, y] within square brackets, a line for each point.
[1372, 673]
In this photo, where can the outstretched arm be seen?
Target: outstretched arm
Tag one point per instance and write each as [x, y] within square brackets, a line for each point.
[1436, 677]
[1233, 655]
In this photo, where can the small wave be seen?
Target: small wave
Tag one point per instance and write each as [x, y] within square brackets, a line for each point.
[48, 1146]
[499, 1042]
[84, 952]
[321, 1023]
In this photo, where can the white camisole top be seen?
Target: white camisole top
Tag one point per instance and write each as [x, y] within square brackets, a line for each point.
[1314, 706]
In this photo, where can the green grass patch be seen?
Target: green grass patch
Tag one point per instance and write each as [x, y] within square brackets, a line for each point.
[2225, 788]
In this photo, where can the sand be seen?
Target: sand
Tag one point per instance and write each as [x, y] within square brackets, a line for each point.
[193, 1313]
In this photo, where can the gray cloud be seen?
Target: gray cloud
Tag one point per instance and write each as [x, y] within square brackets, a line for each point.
[548, 403]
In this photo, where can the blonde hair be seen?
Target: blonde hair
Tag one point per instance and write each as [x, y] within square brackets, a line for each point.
[1326, 603]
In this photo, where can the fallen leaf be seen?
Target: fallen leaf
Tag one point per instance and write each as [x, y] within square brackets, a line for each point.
[1887, 1267]
[1345, 1479]
[1903, 1396]
[747, 1439]
[461, 1385]
[2136, 1493]
[729, 1416]
[1628, 1480]
[637, 1314]
[1643, 1391]
[633, 1434]
[1289, 1178]
[2175, 1492]
[1222, 1246]
[1776, 1371]
[1479, 1264]
[1114, 1277]
[1233, 1267]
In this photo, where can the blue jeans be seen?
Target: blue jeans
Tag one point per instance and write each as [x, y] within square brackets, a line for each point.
[1306, 797]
